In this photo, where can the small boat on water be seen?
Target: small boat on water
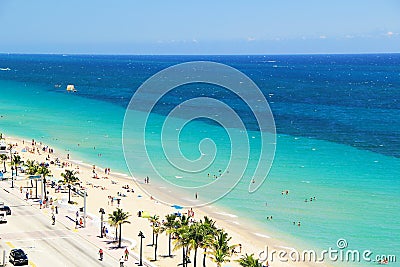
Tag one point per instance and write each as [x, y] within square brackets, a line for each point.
[71, 88]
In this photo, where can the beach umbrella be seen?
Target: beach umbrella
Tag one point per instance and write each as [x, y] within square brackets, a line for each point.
[177, 207]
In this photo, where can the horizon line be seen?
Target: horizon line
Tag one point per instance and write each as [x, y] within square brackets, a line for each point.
[222, 54]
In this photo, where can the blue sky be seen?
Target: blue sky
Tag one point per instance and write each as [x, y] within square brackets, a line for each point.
[199, 27]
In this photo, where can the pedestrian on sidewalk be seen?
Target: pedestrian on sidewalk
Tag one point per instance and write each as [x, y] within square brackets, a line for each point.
[104, 231]
[126, 254]
[76, 223]
[26, 194]
[81, 222]
[77, 214]
[40, 203]
[56, 209]
[101, 254]
[121, 262]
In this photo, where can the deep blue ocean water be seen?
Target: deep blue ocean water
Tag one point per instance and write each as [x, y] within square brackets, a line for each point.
[337, 119]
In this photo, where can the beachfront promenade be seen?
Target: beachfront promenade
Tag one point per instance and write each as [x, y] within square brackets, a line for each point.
[30, 228]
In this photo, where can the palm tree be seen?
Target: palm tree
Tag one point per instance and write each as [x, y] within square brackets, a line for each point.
[249, 261]
[4, 158]
[69, 178]
[153, 220]
[113, 224]
[167, 227]
[182, 241]
[181, 231]
[44, 171]
[31, 167]
[209, 230]
[196, 236]
[118, 218]
[220, 250]
[16, 161]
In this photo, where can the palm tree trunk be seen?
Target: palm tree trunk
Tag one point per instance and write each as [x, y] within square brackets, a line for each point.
[69, 194]
[152, 244]
[116, 233]
[4, 165]
[204, 257]
[155, 248]
[16, 171]
[186, 255]
[183, 257]
[195, 257]
[120, 235]
[169, 244]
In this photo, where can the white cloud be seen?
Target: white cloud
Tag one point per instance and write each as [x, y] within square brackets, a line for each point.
[250, 39]
[322, 37]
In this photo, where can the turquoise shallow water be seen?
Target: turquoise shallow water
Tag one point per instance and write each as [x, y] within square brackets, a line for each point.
[356, 190]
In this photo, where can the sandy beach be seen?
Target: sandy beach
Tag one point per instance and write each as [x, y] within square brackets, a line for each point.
[100, 190]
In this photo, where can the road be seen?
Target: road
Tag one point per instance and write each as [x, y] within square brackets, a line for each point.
[46, 245]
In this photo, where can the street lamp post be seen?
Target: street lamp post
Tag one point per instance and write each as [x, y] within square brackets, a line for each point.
[102, 212]
[141, 235]
[12, 169]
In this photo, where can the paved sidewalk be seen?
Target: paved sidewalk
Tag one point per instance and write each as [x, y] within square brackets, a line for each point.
[67, 215]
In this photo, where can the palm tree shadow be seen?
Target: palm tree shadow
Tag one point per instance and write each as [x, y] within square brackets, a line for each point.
[167, 256]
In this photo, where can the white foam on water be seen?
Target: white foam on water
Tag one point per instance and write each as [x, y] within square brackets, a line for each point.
[227, 214]
[262, 235]
[77, 161]
[120, 174]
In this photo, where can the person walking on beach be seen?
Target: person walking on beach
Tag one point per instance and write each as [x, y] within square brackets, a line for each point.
[126, 254]
[53, 218]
